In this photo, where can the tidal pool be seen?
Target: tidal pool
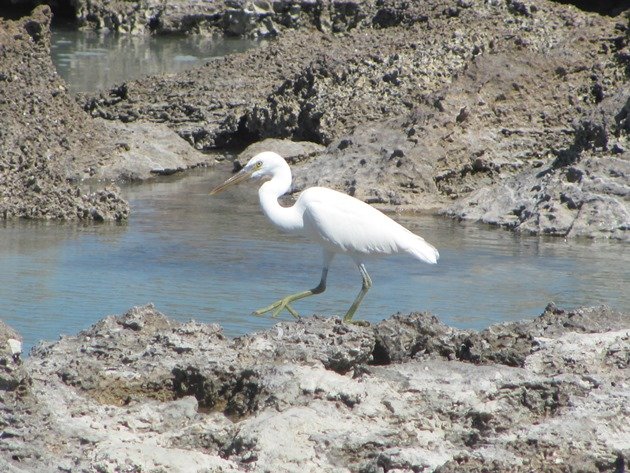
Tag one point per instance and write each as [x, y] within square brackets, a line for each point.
[216, 259]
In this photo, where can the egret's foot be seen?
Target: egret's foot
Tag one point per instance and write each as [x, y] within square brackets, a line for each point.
[360, 323]
[277, 307]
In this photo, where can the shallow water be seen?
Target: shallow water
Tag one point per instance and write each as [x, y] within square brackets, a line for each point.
[216, 259]
[90, 61]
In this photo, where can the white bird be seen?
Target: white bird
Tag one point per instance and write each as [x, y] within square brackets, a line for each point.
[337, 222]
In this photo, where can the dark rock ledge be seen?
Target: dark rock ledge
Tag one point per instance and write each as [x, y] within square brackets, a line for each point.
[140, 392]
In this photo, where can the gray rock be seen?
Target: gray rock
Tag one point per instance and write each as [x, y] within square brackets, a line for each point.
[590, 198]
[337, 346]
[377, 164]
[145, 150]
[142, 392]
[424, 106]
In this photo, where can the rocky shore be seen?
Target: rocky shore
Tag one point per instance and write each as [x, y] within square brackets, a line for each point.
[506, 112]
[48, 144]
[509, 113]
[513, 113]
[140, 392]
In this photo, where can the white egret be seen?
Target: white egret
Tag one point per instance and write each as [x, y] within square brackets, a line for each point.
[337, 222]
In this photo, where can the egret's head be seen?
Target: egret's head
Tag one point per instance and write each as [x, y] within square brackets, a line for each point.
[265, 164]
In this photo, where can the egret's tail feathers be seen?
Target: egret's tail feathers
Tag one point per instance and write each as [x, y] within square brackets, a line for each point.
[423, 250]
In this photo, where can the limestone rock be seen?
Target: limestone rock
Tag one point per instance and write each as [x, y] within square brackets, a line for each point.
[140, 391]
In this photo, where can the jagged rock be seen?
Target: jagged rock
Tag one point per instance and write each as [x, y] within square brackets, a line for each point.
[475, 109]
[585, 191]
[140, 391]
[402, 338]
[257, 18]
[590, 198]
[44, 133]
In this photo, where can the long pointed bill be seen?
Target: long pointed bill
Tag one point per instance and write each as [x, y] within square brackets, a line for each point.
[237, 178]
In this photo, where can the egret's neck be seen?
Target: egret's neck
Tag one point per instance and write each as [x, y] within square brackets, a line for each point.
[287, 218]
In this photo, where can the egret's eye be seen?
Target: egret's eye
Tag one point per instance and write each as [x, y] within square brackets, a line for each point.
[258, 165]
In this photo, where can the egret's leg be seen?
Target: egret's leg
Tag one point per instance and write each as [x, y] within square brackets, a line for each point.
[367, 284]
[283, 303]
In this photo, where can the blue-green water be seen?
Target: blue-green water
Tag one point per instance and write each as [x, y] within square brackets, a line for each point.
[216, 259]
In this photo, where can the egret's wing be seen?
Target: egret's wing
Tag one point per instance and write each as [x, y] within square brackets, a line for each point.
[347, 228]
[346, 224]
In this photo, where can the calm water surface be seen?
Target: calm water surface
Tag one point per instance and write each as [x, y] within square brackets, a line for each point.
[90, 61]
[216, 259]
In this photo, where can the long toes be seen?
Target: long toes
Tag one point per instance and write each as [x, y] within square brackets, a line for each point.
[276, 308]
[269, 308]
[281, 306]
[292, 311]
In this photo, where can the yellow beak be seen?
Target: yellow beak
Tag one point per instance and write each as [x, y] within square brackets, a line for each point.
[237, 178]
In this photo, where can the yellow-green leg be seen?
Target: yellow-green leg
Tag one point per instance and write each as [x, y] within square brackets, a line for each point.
[365, 287]
[283, 303]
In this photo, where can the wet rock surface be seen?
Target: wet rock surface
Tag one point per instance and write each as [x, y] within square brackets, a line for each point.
[509, 113]
[140, 392]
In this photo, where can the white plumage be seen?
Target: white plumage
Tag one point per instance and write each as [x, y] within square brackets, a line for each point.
[344, 224]
[337, 222]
